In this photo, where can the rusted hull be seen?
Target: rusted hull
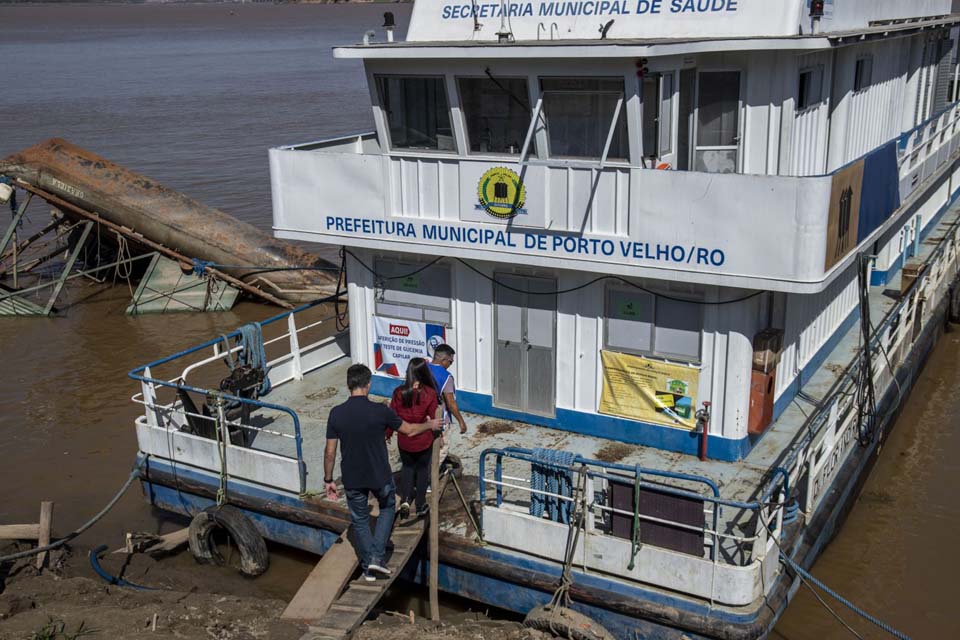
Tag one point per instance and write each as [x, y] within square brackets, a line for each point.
[172, 219]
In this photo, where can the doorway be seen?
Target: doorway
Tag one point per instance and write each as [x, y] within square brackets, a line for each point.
[525, 356]
[717, 122]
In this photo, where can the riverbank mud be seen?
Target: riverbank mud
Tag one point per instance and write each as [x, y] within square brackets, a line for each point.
[186, 601]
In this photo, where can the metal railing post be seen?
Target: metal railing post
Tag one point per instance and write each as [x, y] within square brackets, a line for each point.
[295, 348]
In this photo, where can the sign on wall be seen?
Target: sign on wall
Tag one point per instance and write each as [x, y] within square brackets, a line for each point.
[843, 221]
[396, 342]
[642, 389]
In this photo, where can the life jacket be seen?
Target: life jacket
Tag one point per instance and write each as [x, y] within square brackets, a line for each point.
[440, 377]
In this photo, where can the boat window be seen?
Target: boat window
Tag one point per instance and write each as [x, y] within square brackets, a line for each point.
[718, 122]
[417, 112]
[810, 88]
[630, 320]
[657, 115]
[666, 114]
[497, 113]
[639, 322]
[651, 116]
[407, 291]
[580, 117]
[863, 74]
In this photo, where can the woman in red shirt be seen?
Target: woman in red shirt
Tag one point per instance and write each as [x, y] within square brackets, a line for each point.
[415, 401]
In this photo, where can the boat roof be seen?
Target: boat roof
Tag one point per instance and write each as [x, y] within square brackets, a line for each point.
[631, 47]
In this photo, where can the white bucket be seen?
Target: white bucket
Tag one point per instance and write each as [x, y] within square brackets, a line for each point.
[6, 192]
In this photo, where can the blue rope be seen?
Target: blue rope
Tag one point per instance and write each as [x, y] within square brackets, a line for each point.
[200, 266]
[554, 476]
[253, 353]
[836, 596]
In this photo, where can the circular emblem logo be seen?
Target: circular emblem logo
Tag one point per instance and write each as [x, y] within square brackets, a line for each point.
[433, 343]
[501, 193]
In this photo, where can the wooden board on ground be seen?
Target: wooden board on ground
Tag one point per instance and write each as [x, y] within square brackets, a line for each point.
[19, 531]
[144, 543]
[324, 583]
[352, 607]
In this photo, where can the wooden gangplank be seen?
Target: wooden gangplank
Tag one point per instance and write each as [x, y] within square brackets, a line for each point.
[332, 604]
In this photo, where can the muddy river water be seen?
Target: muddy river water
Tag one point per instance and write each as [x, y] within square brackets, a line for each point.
[193, 95]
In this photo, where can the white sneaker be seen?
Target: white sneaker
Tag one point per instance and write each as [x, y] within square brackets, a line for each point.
[382, 570]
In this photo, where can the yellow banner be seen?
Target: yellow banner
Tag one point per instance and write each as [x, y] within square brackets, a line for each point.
[642, 389]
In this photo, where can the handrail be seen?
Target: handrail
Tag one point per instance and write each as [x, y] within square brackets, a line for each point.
[138, 375]
[711, 532]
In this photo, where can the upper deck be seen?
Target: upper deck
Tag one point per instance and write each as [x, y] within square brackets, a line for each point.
[713, 142]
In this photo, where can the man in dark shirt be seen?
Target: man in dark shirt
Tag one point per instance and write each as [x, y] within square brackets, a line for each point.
[360, 426]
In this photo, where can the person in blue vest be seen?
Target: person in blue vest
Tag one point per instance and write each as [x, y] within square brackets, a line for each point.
[439, 367]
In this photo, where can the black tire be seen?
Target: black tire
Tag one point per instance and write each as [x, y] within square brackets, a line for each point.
[565, 623]
[254, 559]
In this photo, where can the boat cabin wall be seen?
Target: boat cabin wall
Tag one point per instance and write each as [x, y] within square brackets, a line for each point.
[776, 112]
[541, 358]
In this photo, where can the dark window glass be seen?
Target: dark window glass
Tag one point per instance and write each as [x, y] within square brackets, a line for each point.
[579, 113]
[863, 74]
[497, 113]
[719, 109]
[417, 113]
[809, 88]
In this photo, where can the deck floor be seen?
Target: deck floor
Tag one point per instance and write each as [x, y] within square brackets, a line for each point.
[313, 398]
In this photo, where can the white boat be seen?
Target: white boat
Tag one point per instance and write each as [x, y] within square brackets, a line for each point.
[658, 234]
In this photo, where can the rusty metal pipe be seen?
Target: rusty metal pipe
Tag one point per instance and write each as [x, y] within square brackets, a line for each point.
[169, 218]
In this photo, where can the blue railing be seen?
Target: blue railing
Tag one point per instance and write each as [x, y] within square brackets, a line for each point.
[637, 472]
[138, 374]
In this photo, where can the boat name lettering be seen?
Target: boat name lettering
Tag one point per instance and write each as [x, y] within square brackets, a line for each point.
[564, 245]
[66, 188]
[561, 8]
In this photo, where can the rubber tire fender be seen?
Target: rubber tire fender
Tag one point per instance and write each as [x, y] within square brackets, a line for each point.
[566, 623]
[254, 558]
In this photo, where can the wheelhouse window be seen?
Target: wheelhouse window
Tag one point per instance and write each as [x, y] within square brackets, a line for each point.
[863, 74]
[408, 291]
[641, 323]
[657, 115]
[810, 88]
[417, 112]
[497, 114]
[582, 115]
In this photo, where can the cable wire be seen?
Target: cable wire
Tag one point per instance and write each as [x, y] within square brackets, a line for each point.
[556, 292]
[92, 521]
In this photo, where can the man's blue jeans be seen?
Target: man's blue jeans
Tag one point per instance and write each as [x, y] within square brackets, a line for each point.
[372, 547]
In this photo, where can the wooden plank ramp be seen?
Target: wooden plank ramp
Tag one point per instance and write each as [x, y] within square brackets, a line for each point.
[332, 604]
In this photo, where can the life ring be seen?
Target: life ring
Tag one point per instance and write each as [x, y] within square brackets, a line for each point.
[566, 623]
[254, 559]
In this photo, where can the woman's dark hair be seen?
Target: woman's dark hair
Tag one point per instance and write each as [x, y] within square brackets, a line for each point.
[417, 371]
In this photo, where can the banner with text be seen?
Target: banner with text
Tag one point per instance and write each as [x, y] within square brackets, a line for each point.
[396, 342]
[648, 390]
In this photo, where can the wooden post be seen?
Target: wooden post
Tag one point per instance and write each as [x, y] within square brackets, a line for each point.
[46, 518]
[434, 529]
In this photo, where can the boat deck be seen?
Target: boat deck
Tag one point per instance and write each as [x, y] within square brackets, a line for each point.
[319, 391]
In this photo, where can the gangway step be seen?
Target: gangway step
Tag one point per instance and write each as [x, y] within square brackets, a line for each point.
[333, 604]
